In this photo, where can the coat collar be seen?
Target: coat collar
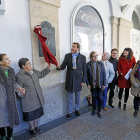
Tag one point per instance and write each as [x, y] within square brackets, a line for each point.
[21, 71]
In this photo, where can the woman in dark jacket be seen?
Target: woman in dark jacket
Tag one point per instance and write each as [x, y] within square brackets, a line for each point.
[8, 107]
[96, 81]
[32, 101]
[125, 63]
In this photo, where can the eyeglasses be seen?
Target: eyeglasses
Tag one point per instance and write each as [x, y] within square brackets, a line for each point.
[95, 56]
[114, 53]
[29, 63]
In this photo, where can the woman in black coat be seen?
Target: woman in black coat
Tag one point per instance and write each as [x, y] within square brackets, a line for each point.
[8, 107]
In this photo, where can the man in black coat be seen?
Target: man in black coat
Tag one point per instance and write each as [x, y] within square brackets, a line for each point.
[113, 59]
[75, 76]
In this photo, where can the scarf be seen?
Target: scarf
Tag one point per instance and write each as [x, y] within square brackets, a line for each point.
[9, 83]
[74, 56]
[30, 72]
[137, 73]
[96, 82]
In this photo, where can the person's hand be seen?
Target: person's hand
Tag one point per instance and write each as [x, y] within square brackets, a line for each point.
[103, 87]
[48, 67]
[89, 87]
[136, 85]
[82, 84]
[58, 66]
[21, 90]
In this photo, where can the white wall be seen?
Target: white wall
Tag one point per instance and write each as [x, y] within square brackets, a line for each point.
[65, 12]
[15, 38]
[116, 6]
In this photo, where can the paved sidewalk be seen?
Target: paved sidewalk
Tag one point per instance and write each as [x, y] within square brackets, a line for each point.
[116, 124]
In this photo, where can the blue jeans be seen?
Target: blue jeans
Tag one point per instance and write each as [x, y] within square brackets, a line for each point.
[70, 101]
[97, 95]
[104, 97]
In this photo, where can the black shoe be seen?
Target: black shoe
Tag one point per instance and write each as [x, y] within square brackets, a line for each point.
[34, 132]
[77, 113]
[93, 113]
[99, 115]
[135, 113]
[38, 129]
[124, 107]
[68, 116]
[119, 105]
[9, 138]
[111, 105]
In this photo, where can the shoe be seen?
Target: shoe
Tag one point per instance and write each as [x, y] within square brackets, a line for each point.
[93, 113]
[135, 113]
[119, 105]
[38, 129]
[34, 132]
[105, 108]
[124, 107]
[3, 138]
[9, 138]
[99, 114]
[77, 113]
[68, 116]
[111, 105]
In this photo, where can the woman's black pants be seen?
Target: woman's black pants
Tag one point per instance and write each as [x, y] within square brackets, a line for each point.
[9, 132]
[126, 94]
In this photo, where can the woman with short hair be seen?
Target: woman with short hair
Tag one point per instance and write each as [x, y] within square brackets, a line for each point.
[8, 106]
[125, 63]
[32, 101]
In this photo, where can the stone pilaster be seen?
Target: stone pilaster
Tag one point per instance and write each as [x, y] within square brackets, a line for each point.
[124, 28]
[120, 33]
[44, 10]
[114, 32]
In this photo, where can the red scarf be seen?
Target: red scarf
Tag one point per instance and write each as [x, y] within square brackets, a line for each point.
[48, 56]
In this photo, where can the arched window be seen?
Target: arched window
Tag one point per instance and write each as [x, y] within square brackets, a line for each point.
[88, 29]
[135, 21]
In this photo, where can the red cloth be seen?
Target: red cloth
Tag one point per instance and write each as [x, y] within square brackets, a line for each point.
[48, 56]
[123, 67]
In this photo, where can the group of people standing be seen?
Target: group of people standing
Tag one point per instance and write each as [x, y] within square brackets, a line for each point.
[100, 77]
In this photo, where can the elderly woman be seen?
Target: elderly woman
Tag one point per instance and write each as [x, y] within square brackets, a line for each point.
[32, 101]
[135, 86]
[96, 81]
[8, 108]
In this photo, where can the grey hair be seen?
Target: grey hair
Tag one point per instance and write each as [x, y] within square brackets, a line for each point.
[108, 55]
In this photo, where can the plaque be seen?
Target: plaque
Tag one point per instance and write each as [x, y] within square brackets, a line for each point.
[49, 32]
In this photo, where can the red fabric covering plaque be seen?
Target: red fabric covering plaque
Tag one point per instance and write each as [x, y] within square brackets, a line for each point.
[48, 56]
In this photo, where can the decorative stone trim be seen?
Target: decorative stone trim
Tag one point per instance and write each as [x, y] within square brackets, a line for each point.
[124, 22]
[50, 2]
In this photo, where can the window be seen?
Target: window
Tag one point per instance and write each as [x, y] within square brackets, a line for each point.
[88, 30]
[135, 21]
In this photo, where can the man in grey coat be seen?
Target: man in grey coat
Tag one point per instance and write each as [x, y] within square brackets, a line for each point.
[75, 77]
[110, 73]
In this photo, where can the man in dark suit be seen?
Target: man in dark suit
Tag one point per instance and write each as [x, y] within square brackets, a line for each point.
[75, 77]
[113, 59]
